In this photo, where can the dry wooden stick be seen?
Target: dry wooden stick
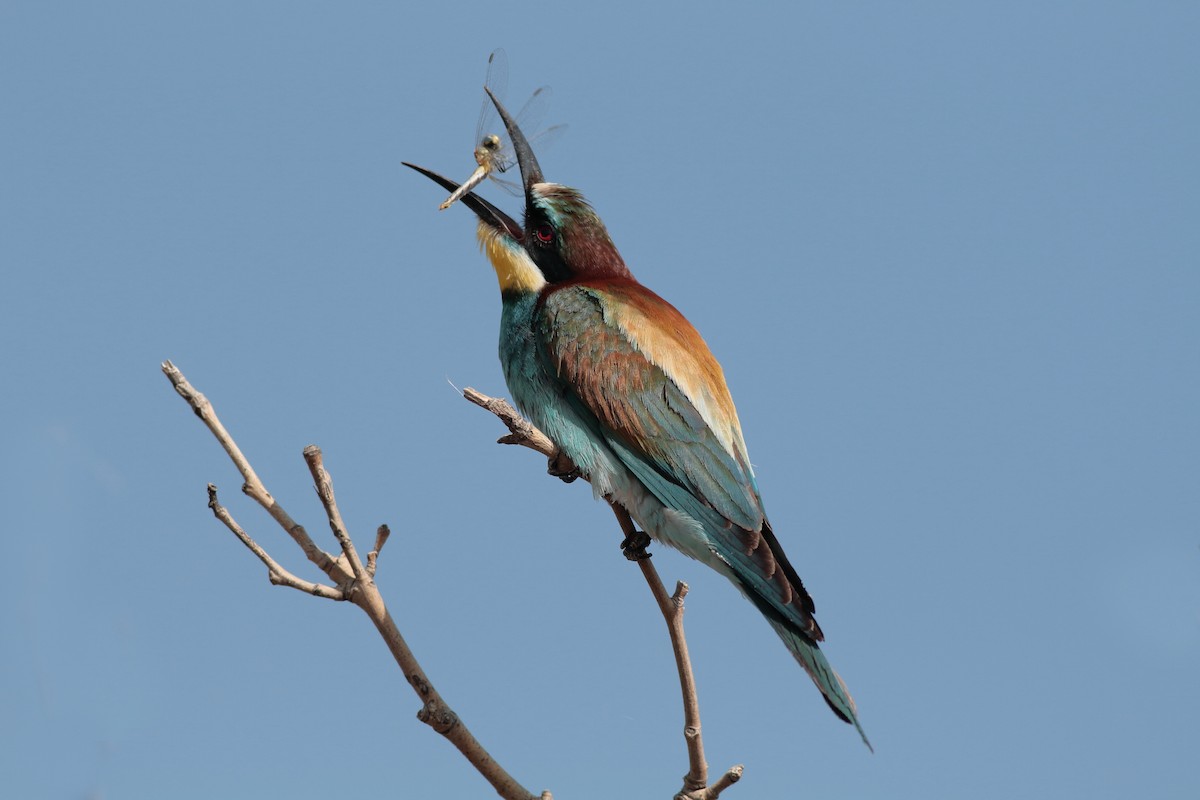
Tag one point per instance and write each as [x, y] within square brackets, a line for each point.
[277, 574]
[252, 486]
[696, 779]
[353, 580]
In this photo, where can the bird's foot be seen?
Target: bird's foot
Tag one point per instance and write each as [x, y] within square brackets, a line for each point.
[634, 546]
[562, 467]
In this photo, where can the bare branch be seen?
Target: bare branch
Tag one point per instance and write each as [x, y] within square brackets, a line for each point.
[521, 431]
[253, 487]
[729, 778]
[355, 584]
[671, 607]
[324, 484]
[381, 537]
[277, 574]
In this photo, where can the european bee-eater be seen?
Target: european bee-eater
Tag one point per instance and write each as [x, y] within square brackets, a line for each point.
[625, 386]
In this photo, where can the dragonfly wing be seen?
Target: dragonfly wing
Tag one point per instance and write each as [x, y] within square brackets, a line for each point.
[512, 187]
[497, 83]
[547, 137]
[528, 119]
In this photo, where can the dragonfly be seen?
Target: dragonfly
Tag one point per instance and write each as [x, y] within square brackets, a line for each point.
[494, 154]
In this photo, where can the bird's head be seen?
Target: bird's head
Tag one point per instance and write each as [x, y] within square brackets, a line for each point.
[562, 239]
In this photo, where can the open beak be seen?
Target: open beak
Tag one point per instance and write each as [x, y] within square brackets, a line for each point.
[486, 212]
[531, 173]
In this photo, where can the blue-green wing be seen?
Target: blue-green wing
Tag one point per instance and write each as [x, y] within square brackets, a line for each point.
[633, 364]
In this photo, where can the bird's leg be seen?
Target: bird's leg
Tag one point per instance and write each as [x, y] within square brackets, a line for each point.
[634, 545]
[562, 467]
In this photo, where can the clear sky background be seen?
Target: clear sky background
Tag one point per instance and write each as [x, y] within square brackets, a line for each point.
[947, 255]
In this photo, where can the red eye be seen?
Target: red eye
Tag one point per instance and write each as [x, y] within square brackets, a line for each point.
[544, 233]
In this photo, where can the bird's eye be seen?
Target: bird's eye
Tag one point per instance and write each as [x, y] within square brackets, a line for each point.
[544, 233]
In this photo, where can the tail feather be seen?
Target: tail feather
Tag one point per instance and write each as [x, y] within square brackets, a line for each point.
[833, 689]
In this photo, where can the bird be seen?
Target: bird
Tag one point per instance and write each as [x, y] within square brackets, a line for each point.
[628, 390]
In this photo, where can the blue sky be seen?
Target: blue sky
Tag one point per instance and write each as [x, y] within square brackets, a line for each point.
[946, 254]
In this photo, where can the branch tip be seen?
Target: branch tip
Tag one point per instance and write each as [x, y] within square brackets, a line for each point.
[681, 590]
[731, 776]
[381, 536]
[520, 430]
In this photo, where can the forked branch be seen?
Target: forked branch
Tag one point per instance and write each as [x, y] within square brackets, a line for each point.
[352, 580]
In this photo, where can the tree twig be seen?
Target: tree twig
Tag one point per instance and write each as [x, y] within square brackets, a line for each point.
[277, 574]
[253, 487]
[354, 581]
[381, 537]
[520, 430]
[324, 484]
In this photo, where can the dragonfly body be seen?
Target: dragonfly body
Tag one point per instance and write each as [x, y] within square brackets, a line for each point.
[486, 156]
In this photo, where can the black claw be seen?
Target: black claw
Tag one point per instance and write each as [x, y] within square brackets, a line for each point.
[562, 468]
[634, 546]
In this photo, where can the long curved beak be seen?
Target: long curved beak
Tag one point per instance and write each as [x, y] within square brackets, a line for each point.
[487, 212]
